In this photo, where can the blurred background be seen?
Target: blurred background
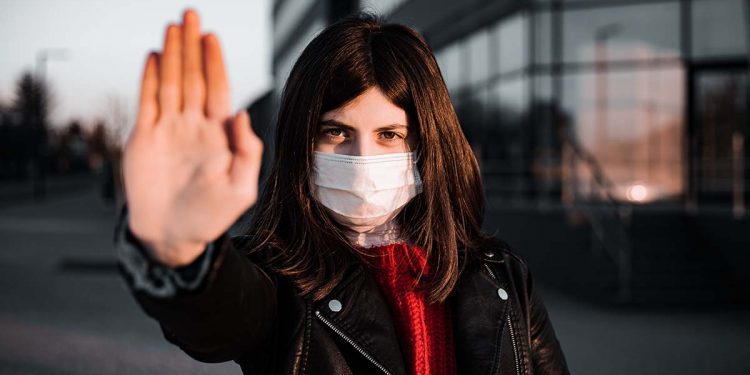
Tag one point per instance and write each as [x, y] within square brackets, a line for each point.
[612, 137]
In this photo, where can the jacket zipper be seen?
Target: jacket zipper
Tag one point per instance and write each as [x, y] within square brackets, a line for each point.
[352, 343]
[490, 271]
[513, 341]
[510, 327]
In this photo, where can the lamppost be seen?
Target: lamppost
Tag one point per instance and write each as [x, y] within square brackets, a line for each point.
[601, 36]
[43, 55]
[38, 167]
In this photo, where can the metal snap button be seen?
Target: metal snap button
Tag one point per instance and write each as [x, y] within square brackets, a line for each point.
[334, 305]
[502, 294]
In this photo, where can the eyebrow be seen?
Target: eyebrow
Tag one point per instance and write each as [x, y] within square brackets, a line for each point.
[349, 127]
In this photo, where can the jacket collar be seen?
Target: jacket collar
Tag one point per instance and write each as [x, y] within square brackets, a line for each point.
[357, 311]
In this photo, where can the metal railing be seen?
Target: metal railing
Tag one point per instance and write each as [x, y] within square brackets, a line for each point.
[609, 218]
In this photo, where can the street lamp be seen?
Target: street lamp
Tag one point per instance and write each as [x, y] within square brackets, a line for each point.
[48, 54]
[38, 178]
[601, 36]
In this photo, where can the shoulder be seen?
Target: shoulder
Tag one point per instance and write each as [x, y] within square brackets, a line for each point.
[499, 250]
[509, 253]
[260, 257]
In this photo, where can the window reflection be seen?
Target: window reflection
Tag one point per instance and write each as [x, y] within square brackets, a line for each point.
[511, 39]
[630, 32]
[471, 114]
[290, 14]
[449, 59]
[543, 37]
[719, 27]
[287, 60]
[477, 56]
[616, 94]
[721, 134]
[543, 88]
[631, 123]
[503, 157]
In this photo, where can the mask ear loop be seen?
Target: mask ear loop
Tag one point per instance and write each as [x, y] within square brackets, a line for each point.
[415, 166]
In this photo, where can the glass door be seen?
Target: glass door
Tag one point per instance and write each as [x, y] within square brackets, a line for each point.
[720, 139]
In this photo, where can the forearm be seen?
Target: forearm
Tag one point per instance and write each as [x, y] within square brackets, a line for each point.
[213, 308]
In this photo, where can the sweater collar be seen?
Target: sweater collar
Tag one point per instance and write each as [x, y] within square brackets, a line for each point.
[381, 235]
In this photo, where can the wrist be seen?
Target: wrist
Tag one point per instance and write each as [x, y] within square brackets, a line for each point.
[178, 255]
[174, 254]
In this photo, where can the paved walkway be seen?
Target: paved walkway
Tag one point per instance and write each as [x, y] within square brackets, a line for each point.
[64, 310]
[643, 341]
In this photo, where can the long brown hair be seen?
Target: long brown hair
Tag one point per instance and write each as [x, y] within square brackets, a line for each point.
[348, 57]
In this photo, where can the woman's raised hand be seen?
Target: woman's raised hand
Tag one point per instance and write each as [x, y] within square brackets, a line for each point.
[190, 167]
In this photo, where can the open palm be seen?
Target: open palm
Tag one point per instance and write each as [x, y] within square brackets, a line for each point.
[190, 167]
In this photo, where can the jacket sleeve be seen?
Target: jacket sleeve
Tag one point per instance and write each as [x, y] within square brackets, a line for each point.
[546, 353]
[215, 308]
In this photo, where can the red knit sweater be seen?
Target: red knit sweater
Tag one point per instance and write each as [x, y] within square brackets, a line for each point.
[424, 330]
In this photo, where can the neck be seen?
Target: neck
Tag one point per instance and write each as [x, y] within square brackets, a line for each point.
[380, 235]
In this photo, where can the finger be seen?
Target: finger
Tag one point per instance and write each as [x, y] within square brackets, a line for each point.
[217, 87]
[247, 150]
[170, 72]
[192, 85]
[148, 108]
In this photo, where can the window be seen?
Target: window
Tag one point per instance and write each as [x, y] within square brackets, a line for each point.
[543, 37]
[719, 28]
[477, 56]
[630, 32]
[721, 152]
[511, 37]
[449, 60]
[631, 123]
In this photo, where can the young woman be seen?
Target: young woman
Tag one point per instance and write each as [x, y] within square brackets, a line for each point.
[366, 253]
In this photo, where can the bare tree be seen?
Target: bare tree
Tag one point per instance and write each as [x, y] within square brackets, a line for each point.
[31, 109]
[117, 115]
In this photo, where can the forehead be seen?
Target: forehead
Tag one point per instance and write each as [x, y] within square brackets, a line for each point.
[371, 108]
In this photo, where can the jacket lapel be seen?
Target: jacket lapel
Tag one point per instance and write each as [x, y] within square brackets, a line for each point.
[363, 319]
[478, 316]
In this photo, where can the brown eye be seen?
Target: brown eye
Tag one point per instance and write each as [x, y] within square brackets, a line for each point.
[389, 135]
[334, 135]
[334, 132]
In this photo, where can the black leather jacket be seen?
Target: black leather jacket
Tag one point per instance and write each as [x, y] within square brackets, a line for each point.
[225, 307]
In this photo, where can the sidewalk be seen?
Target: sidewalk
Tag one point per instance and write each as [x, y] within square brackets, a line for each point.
[64, 308]
[649, 341]
[13, 192]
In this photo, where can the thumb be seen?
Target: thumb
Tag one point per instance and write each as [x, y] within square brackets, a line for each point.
[247, 150]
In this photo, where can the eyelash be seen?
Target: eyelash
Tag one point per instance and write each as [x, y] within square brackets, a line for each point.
[396, 136]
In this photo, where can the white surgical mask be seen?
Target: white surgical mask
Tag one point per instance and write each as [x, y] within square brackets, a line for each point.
[363, 192]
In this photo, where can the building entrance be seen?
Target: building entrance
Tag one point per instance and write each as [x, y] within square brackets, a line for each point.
[720, 140]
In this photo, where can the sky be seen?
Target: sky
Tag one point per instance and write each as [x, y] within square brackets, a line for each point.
[106, 42]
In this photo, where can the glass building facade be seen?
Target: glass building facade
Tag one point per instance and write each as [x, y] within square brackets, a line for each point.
[632, 114]
[641, 101]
